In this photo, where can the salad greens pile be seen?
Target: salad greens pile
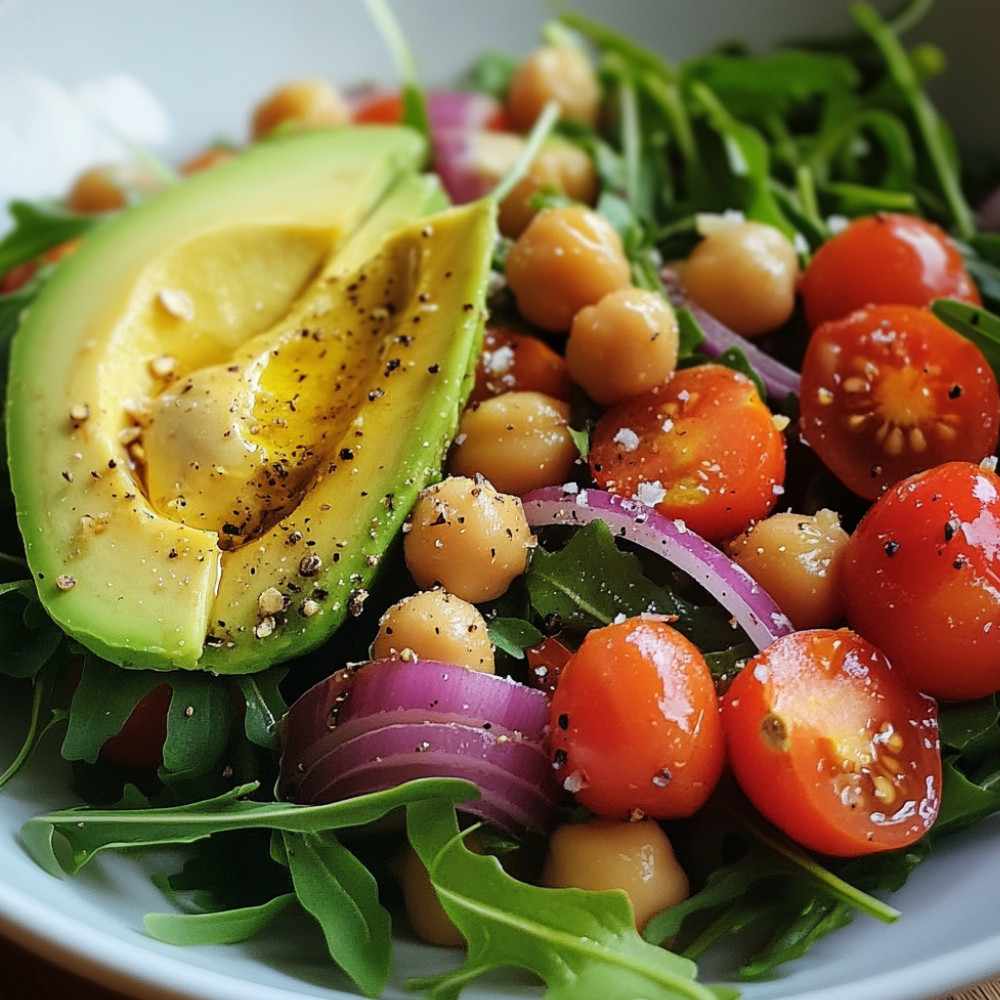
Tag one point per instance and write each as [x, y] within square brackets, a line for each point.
[794, 137]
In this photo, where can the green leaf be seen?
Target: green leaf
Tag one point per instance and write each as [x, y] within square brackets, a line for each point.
[514, 635]
[581, 944]
[223, 927]
[39, 226]
[975, 324]
[265, 705]
[342, 896]
[589, 582]
[30, 637]
[198, 723]
[65, 841]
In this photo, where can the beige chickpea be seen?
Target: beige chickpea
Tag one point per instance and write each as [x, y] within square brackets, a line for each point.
[561, 167]
[109, 187]
[623, 345]
[519, 441]
[553, 73]
[796, 559]
[745, 275]
[601, 853]
[424, 911]
[467, 537]
[307, 103]
[435, 625]
[567, 258]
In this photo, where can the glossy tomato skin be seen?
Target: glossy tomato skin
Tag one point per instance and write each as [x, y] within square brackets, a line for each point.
[634, 722]
[921, 579]
[832, 746]
[139, 743]
[702, 448]
[885, 258]
[891, 390]
[514, 361]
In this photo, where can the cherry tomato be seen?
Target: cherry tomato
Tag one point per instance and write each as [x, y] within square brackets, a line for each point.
[139, 743]
[512, 361]
[380, 108]
[702, 447]
[921, 579]
[884, 258]
[635, 722]
[546, 662]
[832, 746]
[889, 391]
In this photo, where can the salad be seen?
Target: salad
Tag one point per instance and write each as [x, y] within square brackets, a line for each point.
[595, 460]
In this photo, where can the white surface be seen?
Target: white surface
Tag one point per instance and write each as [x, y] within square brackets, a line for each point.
[207, 61]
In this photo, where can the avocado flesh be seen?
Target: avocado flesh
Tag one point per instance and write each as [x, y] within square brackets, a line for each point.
[180, 284]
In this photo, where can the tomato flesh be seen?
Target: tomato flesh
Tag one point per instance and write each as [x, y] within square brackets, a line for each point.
[886, 258]
[702, 448]
[139, 743]
[921, 579]
[832, 746]
[635, 726]
[890, 391]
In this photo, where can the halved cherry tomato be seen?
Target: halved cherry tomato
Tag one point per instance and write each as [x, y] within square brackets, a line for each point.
[512, 361]
[702, 447]
[884, 258]
[921, 579]
[635, 722]
[20, 275]
[139, 743]
[832, 746]
[889, 391]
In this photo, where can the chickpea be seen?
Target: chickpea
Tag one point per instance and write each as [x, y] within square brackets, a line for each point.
[623, 345]
[796, 559]
[468, 538]
[108, 188]
[561, 167]
[308, 103]
[635, 857]
[744, 274]
[553, 73]
[519, 441]
[424, 911]
[567, 258]
[435, 625]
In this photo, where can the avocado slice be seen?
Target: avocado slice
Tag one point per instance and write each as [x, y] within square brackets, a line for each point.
[222, 406]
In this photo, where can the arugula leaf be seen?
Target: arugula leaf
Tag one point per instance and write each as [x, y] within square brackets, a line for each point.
[514, 635]
[936, 139]
[222, 927]
[579, 943]
[589, 582]
[341, 894]
[39, 226]
[30, 636]
[975, 324]
[84, 832]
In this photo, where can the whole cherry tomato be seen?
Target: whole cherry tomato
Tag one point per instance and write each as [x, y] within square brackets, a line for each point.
[512, 361]
[883, 258]
[921, 579]
[891, 390]
[703, 447]
[832, 746]
[635, 722]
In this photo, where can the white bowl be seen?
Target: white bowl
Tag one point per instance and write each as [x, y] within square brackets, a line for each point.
[206, 62]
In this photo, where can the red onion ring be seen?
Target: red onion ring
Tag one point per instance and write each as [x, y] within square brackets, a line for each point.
[393, 720]
[734, 588]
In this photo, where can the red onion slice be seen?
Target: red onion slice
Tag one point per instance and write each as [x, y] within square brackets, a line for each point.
[734, 588]
[363, 729]
[779, 380]
[515, 778]
[471, 164]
